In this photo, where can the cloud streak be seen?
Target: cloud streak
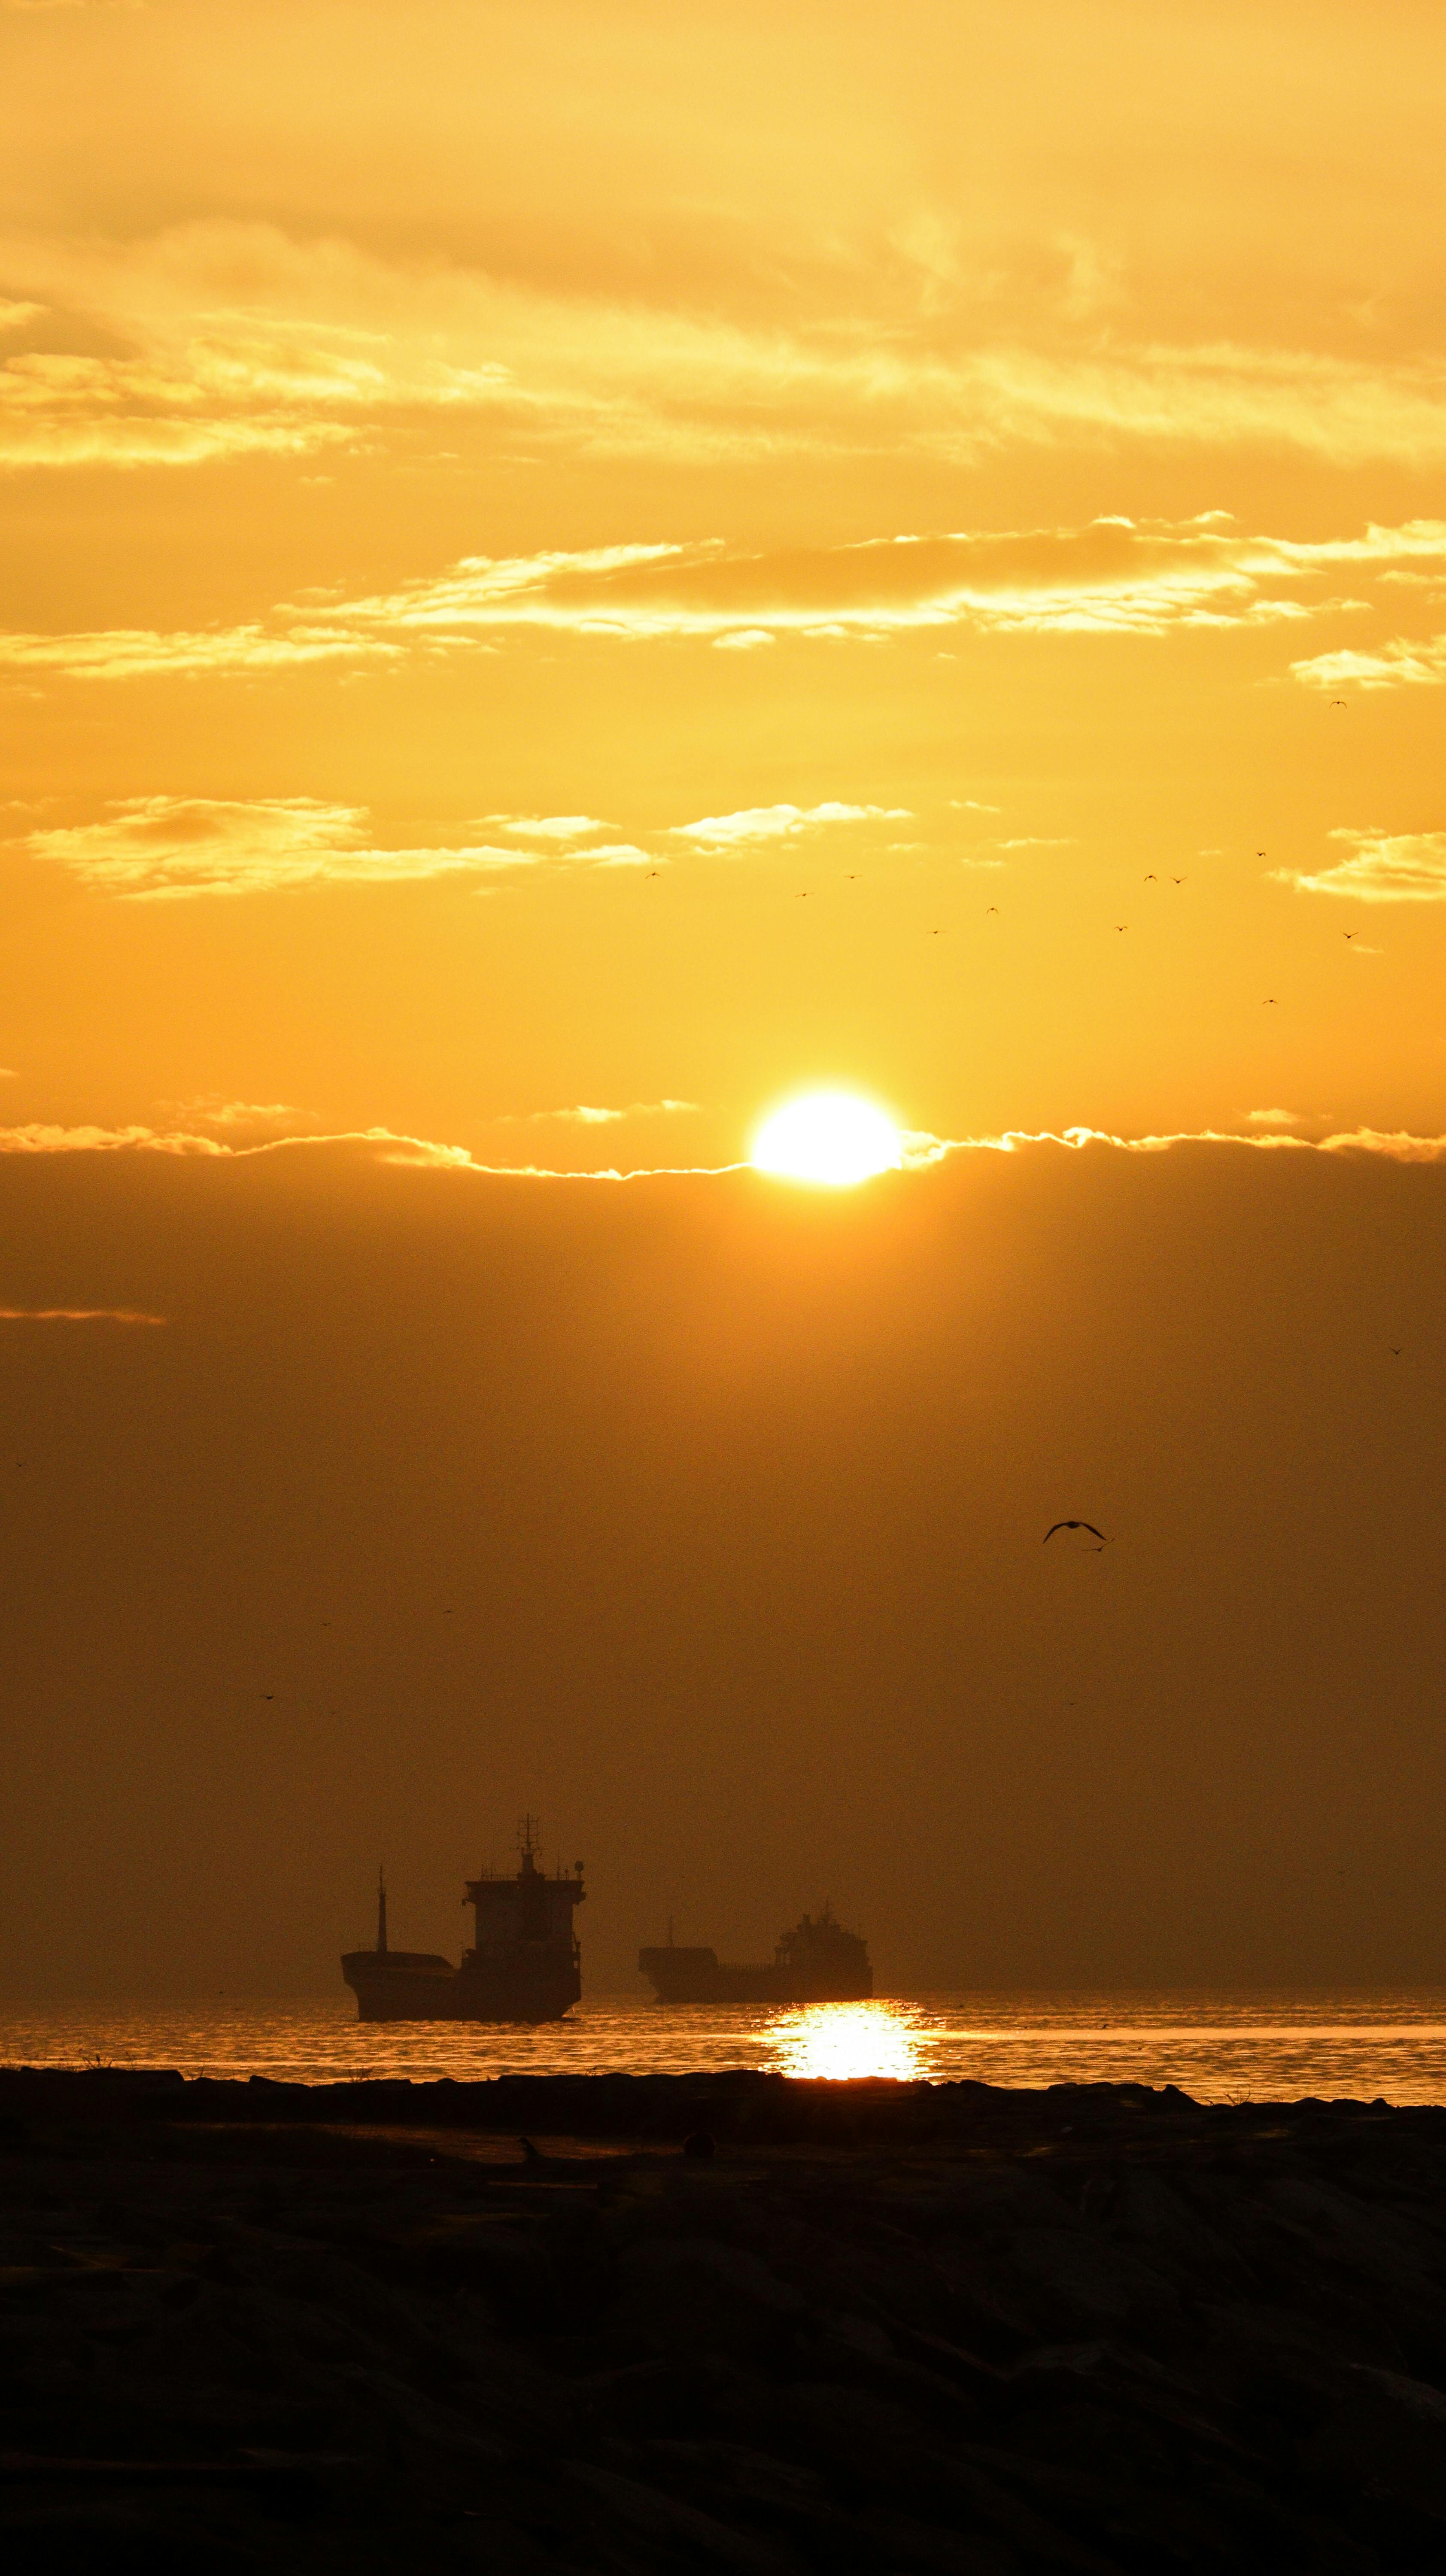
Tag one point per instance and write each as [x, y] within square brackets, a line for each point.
[1383, 867]
[78, 1315]
[227, 337]
[1112, 576]
[171, 848]
[921, 1150]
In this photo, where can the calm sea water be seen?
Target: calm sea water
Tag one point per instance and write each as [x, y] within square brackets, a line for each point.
[1218, 2047]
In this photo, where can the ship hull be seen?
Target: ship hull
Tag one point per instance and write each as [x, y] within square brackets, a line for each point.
[393, 1986]
[684, 1977]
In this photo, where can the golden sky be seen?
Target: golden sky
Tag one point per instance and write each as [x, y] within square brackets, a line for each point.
[573, 568]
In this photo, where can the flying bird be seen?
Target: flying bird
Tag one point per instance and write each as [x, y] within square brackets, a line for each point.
[1151, 878]
[990, 907]
[1348, 934]
[1122, 925]
[1395, 1349]
[1270, 1003]
[1089, 1525]
[1179, 880]
[1338, 702]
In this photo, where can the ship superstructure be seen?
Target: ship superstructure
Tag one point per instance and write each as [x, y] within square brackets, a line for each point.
[817, 1962]
[524, 1963]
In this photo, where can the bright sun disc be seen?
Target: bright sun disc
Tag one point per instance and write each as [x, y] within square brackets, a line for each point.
[829, 1137]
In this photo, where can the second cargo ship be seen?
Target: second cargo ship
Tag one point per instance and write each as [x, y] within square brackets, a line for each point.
[818, 1962]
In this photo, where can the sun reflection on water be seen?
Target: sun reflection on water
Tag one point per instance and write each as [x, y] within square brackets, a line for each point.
[840, 2041]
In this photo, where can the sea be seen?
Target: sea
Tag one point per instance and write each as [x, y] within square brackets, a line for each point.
[1376, 2044]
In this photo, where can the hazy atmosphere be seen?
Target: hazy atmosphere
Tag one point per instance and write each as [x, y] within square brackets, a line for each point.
[572, 573]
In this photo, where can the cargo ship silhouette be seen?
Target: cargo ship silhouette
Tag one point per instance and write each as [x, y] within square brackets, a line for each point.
[817, 1962]
[524, 1965]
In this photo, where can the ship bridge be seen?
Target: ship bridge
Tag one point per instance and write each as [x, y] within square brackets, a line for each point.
[528, 1910]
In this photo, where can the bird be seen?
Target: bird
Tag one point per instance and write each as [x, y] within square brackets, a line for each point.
[655, 872]
[1179, 880]
[1122, 925]
[852, 876]
[1395, 1349]
[1260, 854]
[803, 894]
[1089, 1525]
[1151, 878]
[268, 1694]
[936, 934]
[1270, 1003]
[990, 907]
[1348, 934]
[1338, 702]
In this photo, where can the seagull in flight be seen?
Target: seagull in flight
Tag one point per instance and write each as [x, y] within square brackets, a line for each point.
[1270, 1003]
[1179, 880]
[1338, 702]
[1087, 1525]
[1122, 925]
[990, 907]
[1151, 878]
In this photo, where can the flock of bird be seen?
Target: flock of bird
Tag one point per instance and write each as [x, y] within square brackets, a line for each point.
[1270, 1002]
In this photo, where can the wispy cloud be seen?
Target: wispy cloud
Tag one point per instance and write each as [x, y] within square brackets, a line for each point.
[227, 337]
[1111, 576]
[1395, 665]
[211, 1110]
[167, 848]
[585, 1115]
[761, 823]
[1383, 867]
[546, 827]
[1274, 1118]
[78, 1315]
[921, 1150]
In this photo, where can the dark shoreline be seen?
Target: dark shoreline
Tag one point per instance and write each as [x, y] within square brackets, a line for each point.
[734, 2321]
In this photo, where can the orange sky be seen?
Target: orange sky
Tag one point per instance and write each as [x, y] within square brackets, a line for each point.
[571, 568]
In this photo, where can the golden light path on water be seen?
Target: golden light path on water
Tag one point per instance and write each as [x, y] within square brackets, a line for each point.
[1362, 2043]
[840, 2041]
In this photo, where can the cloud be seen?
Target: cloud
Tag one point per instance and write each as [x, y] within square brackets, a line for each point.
[78, 1315]
[1111, 576]
[167, 848]
[758, 823]
[227, 337]
[921, 1149]
[547, 827]
[212, 1110]
[1396, 665]
[584, 1115]
[218, 652]
[1384, 867]
[1273, 1117]
[744, 639]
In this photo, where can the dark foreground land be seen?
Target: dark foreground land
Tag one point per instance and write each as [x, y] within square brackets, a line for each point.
[881, 2328]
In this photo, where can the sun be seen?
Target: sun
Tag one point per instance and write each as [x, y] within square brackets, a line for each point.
[831, 1138]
